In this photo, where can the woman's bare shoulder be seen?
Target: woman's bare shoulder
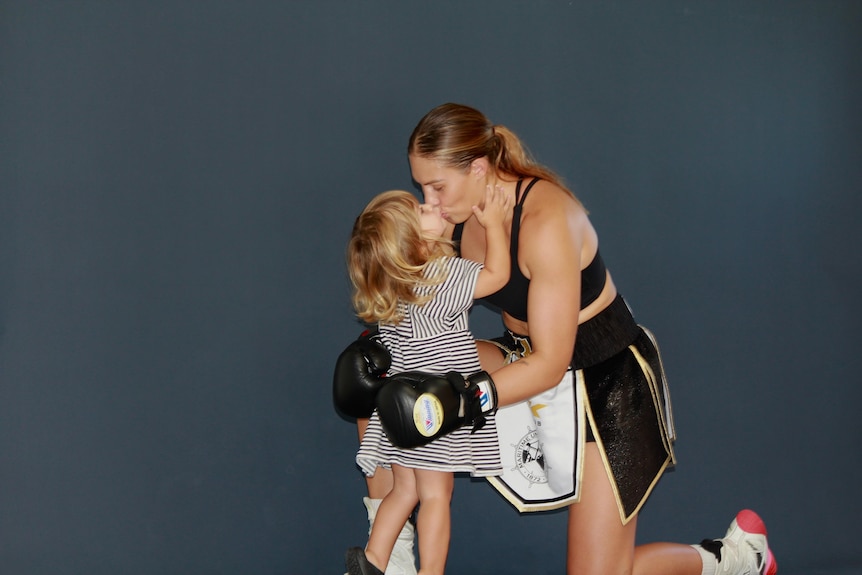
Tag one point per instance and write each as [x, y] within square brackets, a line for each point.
[548, 201]
[555, 217]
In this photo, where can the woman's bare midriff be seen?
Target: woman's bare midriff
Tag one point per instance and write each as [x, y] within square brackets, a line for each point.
[609, 293]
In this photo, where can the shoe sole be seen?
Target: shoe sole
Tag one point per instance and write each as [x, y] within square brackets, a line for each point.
[750, 522]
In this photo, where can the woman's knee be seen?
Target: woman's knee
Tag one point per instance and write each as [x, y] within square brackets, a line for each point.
[491, 357]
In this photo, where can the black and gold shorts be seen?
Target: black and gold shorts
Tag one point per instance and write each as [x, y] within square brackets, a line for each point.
[621, 403]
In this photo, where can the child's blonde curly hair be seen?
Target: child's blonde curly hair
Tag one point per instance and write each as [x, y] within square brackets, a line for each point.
[388, 258]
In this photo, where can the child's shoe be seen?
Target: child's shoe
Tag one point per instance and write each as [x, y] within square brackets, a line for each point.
[358, 564]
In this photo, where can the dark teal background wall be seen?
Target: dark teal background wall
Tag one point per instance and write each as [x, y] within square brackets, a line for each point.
[177, 184]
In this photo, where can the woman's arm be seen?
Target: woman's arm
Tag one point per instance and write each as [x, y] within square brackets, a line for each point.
[551, 242]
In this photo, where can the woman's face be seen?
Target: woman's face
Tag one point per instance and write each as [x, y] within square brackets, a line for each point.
[452, 190]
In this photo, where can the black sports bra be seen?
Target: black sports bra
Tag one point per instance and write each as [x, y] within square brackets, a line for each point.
[512, 298]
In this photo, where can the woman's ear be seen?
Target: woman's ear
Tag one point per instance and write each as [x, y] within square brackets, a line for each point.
[479, 167]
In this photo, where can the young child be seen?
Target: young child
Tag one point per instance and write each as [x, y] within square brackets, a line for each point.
[409, 282]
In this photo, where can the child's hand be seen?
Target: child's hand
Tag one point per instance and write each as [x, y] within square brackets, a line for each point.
[496, 207]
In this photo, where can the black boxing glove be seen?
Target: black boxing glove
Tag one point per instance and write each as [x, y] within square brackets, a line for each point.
[479, 395]
[360, 372]
[415, 407]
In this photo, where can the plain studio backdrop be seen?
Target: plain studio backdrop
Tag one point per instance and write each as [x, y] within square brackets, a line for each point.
[178, 180]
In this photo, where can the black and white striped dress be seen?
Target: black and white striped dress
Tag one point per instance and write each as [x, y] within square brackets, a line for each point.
[435, 338]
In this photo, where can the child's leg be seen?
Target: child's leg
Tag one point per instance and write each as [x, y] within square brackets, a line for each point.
[393, 512]
[380, 483]
[402, 560]
[433, 521]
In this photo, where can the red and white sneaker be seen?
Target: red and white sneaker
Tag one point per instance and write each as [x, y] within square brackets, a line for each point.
[742, 551]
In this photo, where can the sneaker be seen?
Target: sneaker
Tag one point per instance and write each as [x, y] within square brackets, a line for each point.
[358, 564]
[744, 549]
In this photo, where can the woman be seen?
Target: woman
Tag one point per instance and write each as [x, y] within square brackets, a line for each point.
[571, 347]
[454, 153]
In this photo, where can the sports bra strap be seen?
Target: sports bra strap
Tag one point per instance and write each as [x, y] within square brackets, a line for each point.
[519, 199]
[516, 217]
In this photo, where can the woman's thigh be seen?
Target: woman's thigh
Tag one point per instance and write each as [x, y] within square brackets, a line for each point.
[598, 542]
[490, 356]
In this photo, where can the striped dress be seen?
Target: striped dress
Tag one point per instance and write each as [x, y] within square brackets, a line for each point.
[435, 338]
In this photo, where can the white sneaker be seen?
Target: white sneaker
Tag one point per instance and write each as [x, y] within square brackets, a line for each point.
[402, 561]
[742, 551]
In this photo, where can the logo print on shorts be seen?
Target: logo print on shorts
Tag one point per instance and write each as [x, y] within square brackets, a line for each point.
[529, 459]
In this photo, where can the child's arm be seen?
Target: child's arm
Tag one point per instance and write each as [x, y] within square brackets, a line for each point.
[492, 216]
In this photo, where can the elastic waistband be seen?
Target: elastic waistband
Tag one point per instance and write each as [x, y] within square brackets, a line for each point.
[605, 335]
